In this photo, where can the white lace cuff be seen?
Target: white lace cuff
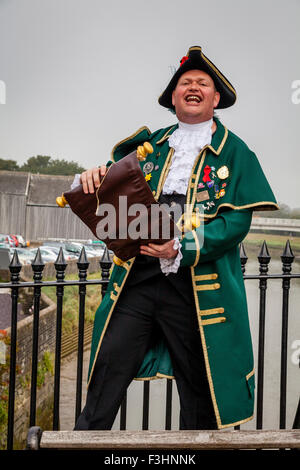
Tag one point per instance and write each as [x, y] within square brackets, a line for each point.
[171, 265]
[76, 181]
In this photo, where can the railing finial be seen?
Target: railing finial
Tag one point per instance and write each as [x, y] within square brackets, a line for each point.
[243, 257]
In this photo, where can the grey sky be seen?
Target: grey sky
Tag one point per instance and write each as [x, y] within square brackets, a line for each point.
[81, 75]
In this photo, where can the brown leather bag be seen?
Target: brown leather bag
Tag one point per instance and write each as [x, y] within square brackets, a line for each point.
[124, 178]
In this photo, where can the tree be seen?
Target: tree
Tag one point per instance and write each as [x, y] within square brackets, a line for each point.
[8, 165]
[48, 166]
[38, 164]
[63, 167]
[44, 165]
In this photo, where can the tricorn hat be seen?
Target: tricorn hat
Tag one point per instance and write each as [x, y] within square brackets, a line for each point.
[195, 59]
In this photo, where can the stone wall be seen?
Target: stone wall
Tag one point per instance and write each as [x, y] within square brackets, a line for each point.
[46, 347]
[46, 343]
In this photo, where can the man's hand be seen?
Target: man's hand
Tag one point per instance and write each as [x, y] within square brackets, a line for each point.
[90, 179]
[159, 251]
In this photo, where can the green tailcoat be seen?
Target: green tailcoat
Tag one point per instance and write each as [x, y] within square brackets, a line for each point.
[225, 186]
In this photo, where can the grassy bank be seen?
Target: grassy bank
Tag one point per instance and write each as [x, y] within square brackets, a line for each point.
[71, 301]
[275, 243]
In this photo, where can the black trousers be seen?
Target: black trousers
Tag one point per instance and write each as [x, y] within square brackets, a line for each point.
[142, 309]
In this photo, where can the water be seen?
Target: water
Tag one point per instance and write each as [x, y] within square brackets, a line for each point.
[272, 363]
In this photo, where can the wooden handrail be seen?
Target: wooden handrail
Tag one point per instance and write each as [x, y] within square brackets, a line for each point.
[135, 440]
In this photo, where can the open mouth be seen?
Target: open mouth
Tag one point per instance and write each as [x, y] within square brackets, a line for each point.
[193, 99]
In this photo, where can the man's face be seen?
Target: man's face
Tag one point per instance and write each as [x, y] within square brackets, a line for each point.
[195, 97]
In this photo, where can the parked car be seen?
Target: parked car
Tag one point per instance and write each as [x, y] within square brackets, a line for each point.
[98, 250]
[13, 240]
[56, 249]
[19, 241]
[3, 238]
[7, 239]
[25, 256]
[75, 247]
[47, 256]
[4, 245]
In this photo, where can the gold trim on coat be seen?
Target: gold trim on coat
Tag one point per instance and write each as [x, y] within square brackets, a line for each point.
[212, 311]
[164, 173]
[214, 286]
[232, 206]
[155, 377]
[237, 423]
[107, 320]
[205, 354]
[206, 277]
[113, 296]
[250, 374]
[219, 149]
[128, 138]
[166, 135]
[211, 321]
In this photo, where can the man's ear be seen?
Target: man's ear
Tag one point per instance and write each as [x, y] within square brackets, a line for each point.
[173, 99]
[216, 99]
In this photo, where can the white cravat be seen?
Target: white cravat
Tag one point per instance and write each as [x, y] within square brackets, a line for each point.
[187, 141]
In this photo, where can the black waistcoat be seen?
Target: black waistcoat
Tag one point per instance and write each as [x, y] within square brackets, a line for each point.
[145, 267]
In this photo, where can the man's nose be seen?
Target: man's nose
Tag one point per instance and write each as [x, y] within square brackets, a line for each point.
[194, 86]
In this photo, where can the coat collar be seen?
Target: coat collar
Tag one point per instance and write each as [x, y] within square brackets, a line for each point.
[218, 139]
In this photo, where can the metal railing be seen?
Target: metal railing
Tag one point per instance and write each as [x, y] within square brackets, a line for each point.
[60, 283]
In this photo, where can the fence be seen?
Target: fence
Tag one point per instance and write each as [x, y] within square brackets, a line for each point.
[15, 267]
[26, 198]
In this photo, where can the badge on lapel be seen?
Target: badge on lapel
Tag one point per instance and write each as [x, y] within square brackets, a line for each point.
[202, 196]
[223, 172]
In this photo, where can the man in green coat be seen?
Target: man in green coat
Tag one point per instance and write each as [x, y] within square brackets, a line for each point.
[179, 310]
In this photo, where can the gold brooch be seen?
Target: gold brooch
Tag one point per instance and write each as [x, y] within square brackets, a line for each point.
[223, 172]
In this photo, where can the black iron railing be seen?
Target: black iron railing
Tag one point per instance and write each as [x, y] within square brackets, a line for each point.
[15, 267]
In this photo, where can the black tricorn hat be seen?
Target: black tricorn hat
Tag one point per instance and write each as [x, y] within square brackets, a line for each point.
[195, 59]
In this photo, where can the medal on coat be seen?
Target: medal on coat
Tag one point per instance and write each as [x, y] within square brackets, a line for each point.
[223, 172]
[148, 167]
[202, 196]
